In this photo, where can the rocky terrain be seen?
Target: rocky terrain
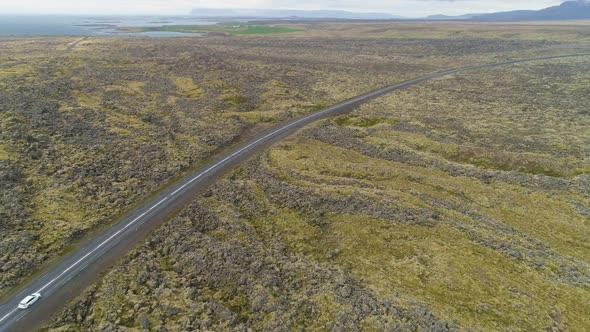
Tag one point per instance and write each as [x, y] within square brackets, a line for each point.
[89, 131]
[458, 204]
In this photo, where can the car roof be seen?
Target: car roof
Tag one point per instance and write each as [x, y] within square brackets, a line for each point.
[30, 297]
[27, 299]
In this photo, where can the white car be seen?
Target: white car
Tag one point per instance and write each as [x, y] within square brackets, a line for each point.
[29, 300]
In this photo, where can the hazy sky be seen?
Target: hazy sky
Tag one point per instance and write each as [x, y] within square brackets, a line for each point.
[411, 8]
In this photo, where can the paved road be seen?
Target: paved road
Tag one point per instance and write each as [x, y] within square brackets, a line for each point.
[74, 44]
[64, 280]
[67, 50]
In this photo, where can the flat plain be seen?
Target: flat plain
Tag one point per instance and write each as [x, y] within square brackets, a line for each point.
[458, 204]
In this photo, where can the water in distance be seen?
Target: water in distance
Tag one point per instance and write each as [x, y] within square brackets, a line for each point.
[59, 25]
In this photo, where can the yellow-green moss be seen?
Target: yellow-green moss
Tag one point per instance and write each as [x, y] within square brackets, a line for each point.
[4, 155]
[186, 88]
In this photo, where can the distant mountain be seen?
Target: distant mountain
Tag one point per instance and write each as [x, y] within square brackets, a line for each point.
[447, 17]
[287, 13]
[569, 10]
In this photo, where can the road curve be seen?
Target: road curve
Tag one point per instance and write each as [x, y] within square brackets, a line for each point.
[70, 274]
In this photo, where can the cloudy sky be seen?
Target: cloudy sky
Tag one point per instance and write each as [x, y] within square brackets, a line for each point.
[410, 8]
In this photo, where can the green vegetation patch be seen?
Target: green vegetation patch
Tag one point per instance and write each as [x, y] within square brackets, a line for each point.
[363, 122]
[187, 88]
[236, 99]
[261, 30]
[4, 155]
[443, 268]
[16, 70]
[61, 215]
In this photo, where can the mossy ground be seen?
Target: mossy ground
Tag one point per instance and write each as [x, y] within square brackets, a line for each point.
[458, 203]
[229, 29]
[4, 155]
[439, 265]
[465, 196]
[187, 88]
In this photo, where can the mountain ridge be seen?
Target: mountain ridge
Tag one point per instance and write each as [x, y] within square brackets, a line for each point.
[568, 10]
[288, 13]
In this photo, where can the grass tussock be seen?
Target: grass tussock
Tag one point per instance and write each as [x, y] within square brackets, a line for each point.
[4, 155]
[187, 88]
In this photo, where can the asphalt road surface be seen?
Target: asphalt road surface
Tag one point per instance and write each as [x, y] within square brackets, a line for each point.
[74, 44]
[70, 274]
[68, 49]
